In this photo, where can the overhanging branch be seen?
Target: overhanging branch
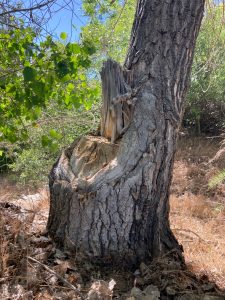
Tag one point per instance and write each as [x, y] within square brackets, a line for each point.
[28, 9]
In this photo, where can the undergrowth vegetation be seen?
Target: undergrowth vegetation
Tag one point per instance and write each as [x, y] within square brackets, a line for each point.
[34, 161]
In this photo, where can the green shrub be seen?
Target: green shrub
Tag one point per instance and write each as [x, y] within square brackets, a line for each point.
[34, 160]
[205, 109]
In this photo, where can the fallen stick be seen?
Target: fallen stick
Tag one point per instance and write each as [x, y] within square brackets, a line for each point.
[72, 287]
[198, 236]
[190, 231]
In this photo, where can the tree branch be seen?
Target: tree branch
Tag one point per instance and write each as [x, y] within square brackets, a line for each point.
[16, 10]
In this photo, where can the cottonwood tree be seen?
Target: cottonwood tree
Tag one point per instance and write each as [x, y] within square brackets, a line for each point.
[110, 193]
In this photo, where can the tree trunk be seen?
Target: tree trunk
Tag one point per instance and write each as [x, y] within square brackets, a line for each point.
[111, 198]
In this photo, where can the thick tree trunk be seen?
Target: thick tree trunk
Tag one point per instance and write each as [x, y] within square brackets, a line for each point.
[112, 198]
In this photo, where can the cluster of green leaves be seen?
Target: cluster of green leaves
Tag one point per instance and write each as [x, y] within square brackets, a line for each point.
[34, 74]
[45, 97]
[206, 98]
[109, 28]
[32, 161]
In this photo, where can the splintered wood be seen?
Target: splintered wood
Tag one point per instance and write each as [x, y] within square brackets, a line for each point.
[117, 107]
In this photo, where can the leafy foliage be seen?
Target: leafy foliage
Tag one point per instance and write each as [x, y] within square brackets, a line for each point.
[45, 92]
[32, 75]
[55, 130]
[109, 28]
[206, 98]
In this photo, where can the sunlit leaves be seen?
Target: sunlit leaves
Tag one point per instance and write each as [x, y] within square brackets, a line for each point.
[63, 35]
[101, 8]
[54, 134]
[72, 48]
[32, 75]
[109, 28]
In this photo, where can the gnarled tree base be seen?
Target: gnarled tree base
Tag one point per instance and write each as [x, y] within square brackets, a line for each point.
[115, 218]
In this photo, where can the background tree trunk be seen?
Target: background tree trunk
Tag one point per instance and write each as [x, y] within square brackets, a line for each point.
[112, 198]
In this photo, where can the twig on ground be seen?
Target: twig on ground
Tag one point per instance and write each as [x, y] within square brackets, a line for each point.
[188, 230]
[200, 238]
[72, 287]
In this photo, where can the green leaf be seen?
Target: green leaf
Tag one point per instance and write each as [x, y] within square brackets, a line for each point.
[54, 147]
[73, 48]
[89, 47]
[29, 74]
[54, 134]
[70, 87]
[62, 69]
[45, 141]
[63, 35]
[67, 100]
[1, 152]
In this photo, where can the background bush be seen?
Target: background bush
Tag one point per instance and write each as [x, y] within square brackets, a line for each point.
[32, 161]
[205, 109]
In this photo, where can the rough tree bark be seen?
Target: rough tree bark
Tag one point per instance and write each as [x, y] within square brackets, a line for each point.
[110, 198]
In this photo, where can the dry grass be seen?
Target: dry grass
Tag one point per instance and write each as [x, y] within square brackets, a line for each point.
[11, 191]
[200, 228]
[197, 213]
[197, 149]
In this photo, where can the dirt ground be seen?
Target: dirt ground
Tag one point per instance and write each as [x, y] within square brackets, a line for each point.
[31, 267]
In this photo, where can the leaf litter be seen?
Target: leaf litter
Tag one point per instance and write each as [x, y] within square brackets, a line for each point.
[33, 268]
